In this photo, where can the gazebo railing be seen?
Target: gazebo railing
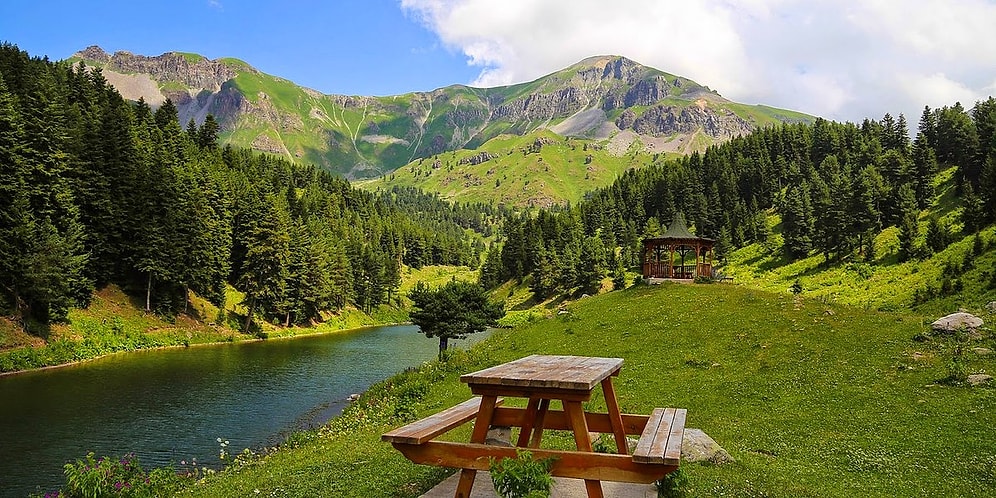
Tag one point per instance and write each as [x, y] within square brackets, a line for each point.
[664, 270]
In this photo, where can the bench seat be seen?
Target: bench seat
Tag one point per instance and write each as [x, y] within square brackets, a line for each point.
[423, 430]
[660, 442]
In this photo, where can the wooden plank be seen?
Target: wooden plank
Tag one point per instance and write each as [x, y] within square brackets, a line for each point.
[672, 453]
[530, 392]
[557, 420]
[660, 442]
[480, 434]
[427, 428]
[615, 417]
[547, 371]
[544, 408]
[660, 438]
[642, 451]
[575, 464]
[575, 413]
[528, 420]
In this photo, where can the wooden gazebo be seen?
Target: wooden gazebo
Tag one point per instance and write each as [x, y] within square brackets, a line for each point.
[666, 256]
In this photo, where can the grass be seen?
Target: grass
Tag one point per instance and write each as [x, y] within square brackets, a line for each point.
[560, 172]
[115, 322]
[808, 402]
[885, 282]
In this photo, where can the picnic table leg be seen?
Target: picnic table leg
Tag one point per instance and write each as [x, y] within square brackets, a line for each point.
[479, 435]
[544, 407]
[575, 413]
[615, 417]
[527, 422]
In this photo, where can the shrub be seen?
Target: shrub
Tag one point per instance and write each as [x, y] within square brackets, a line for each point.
[672, 485]
[522, 476]
[92, 477]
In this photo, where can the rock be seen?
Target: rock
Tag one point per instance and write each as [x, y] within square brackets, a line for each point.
[979, 379]
[982, 351]
[697, 446]
[499, 436]
[957, 321]
[479, 158]
[991, 306]
[352, 397]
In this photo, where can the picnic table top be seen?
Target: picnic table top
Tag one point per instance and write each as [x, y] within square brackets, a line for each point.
[581, 373]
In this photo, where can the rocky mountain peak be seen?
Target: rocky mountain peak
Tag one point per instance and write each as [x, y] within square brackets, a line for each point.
[93, 53]
[600, 98]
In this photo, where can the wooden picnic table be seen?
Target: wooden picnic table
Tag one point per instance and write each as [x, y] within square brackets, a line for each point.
[542, 379]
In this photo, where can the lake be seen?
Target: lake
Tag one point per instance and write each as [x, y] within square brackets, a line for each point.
[171, 405]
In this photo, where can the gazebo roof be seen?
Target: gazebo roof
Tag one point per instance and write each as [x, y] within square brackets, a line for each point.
[678, 230]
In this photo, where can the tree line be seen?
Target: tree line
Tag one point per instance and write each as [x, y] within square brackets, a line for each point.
[95, 189]
[834, 186]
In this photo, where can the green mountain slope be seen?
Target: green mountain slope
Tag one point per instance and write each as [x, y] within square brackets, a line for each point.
[538, 169]
[600, 98]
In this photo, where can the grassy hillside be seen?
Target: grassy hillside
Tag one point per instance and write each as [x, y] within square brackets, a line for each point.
[960, 276]
[116, 322]
[810, 399]
[538, 169]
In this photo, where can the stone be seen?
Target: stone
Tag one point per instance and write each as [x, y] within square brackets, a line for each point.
[499, 436]
[991, 306]
[352, 397]
[982, 351]
[979, 379]
[957, 321]
[697, 446]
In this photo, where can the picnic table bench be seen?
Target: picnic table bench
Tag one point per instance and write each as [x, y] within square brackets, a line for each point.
[542, 379]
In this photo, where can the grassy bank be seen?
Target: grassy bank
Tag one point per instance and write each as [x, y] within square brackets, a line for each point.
[811, 399]
[115, 322]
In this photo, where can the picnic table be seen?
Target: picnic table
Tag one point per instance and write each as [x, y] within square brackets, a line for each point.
[542, 379]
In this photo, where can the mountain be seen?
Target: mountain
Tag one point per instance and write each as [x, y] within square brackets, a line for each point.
[599, 98]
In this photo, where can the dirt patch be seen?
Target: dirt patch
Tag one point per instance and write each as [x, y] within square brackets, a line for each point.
[12, 336]
[135, 86]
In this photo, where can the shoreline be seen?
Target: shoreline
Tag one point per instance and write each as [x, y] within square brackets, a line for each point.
[199, 344]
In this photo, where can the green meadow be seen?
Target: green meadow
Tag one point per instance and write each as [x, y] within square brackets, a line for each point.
[810, 398]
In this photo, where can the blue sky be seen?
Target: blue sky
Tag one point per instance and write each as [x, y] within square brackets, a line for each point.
[357, 47]
[841, 59]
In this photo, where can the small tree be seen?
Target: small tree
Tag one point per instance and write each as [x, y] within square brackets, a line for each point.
[453, 311]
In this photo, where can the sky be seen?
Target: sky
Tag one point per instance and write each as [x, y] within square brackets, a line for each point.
[840, 59]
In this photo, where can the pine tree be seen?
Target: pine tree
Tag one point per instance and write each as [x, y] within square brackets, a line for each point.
[862, 207]
[207, 136]
[974, 214]
[491, 270]
[797, 221]
[453, 311]
[591, 265]
[909, 225]
[925, 168]
[265, 270]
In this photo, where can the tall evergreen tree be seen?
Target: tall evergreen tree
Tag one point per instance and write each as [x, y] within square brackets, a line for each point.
[909, 225]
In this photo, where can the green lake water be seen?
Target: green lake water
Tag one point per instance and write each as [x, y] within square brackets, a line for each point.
[172, 405]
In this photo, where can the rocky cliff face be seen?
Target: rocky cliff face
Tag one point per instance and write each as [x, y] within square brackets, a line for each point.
[360, 136]
[192, 71]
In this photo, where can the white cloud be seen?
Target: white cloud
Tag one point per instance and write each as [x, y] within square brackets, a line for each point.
[841, 59]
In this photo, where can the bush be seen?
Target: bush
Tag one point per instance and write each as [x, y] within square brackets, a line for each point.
[109, 476]
[522, 476]
[672, 485]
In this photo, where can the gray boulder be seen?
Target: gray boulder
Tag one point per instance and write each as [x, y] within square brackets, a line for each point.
[957, 321]
[697, 446]
[991, 306]
[979, 379]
